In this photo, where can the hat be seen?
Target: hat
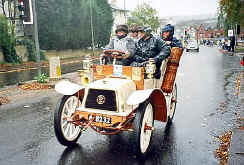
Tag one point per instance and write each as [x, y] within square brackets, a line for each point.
[133, 28]
[122, 27]
[168, 28]
[146, 29]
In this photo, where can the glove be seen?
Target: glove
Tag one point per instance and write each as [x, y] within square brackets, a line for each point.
[137, 64]
[144, 64]
[168, 42]
[127, 54]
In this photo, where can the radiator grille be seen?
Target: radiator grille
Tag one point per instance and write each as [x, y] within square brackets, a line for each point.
[101, 99]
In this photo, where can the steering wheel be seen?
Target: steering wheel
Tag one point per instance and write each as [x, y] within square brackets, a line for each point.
[114, 53]
[111, 55]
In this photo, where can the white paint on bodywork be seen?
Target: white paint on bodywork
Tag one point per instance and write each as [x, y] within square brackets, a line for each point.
[111, 84]
[123, 88]
[104, 112]
[139, 96]
[67, 88]
[149, 83]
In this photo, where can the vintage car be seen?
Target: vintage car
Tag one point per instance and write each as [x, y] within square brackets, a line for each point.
[113, 98]
[192, 45]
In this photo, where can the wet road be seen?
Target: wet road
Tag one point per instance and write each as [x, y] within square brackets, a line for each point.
[206, 108]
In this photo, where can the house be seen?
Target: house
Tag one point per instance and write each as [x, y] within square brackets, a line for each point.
[120, 14]
[203, 33]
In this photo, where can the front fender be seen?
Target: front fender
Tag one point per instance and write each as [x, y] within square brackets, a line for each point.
[158, 98]
[67, 88]
[139, 96]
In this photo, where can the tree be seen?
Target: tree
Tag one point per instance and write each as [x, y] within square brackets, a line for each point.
[145, 15]
[7, 41]
[9, 9]
[69, 23]
[229, 14]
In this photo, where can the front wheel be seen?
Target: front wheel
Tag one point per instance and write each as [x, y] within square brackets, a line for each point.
[66, 132]
[172, 104]
[143, 127]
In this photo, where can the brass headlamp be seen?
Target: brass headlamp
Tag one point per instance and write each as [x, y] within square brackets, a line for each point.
[87, 63]
[150, 68]
[86, 73]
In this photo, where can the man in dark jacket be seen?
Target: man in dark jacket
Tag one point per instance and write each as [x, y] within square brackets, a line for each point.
[167, 34]
[121, 42]
[149, 46]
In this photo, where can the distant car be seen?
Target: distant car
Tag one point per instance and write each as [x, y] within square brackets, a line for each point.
[192, 45]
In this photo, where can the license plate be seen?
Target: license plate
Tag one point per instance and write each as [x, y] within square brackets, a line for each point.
[101, 119]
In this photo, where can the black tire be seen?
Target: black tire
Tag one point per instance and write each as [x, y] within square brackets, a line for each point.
[173, 105]
[144, 108]
[197, 50]
[187, 50]
[59, 124]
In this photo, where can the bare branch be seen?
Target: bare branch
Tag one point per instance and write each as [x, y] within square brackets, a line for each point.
[3, 9]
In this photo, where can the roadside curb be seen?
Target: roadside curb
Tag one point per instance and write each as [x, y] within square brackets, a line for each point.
[236, 151]
[236, 156]
[241, 92]
[13, 93]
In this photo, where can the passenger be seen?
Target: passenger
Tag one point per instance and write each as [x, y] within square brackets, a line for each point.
[167, 34]
[121, 42]
[147, 47]
[133, 32]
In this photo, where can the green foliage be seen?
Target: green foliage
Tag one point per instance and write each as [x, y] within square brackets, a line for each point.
[31, 50]
[68, 24]
[145, 15]
[7, 41]
[42, 78]
[229, 14]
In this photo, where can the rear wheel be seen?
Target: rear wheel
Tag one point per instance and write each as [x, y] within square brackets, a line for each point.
[143, 125]
[66, 132]
[173, 104]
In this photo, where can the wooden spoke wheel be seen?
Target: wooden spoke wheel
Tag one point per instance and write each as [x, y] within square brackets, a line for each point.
[66, 132]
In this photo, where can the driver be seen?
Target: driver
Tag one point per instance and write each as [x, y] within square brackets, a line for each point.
[123, 43]
[147, 47]
[167, 34]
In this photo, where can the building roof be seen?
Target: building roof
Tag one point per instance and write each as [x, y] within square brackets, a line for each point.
[115, 7]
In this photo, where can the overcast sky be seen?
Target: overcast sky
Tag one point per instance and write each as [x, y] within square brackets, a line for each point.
[175, 7]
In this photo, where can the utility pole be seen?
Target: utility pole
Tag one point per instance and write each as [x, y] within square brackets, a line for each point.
[92, 30]
[36, 37]
[124, 11]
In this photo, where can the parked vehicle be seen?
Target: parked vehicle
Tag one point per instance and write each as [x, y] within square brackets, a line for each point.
[192, 45]
[115, 98]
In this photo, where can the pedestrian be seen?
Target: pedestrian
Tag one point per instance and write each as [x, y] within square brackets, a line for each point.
[167, 34]
[121, 42]
[225, 44]
[150, 47]
[232, 43]
[228, 45]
